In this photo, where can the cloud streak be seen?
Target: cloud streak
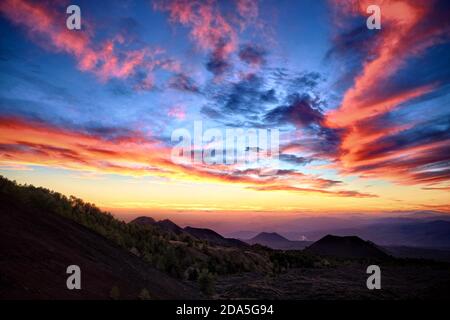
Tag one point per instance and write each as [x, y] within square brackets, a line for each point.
[134, 154]
[372, 145]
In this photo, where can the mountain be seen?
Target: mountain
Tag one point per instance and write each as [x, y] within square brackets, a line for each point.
[241, 234]
[275, 241]
[199, 233]
[213, 237]
[268, 237]
[400, 232]
[345, 247]
[166, 224]
[38, 246]
[144, 221]
[169, 225]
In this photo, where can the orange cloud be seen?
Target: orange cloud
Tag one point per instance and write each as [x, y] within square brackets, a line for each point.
[40, 144]
[366, 101]
[345, 193]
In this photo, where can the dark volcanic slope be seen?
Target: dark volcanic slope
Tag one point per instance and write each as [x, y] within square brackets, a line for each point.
[349, 247]
[36, 248]
[169, 225]
[346, 282]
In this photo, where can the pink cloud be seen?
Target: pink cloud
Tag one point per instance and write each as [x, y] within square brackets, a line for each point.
[107, 61]
[178, 112]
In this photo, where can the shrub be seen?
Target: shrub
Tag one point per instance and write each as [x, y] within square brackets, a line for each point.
[144, 295]
[114, 293]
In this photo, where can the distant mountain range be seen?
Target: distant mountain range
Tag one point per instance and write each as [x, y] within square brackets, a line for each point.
[398, 236]
[398, 232]
[312, 228]
[275, 241]
[418, 229]
[200, 233]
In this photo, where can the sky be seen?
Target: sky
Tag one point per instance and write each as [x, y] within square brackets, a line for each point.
[363, 115]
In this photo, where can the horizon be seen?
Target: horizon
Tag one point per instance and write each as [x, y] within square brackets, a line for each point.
[291, 225]
[284, 225]
[363, 120]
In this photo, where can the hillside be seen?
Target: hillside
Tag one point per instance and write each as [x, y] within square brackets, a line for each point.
[170, 226]
[79, 226]
[165, 225]
[37, 247]
[208, 235]
[346, 247]
[213, 237]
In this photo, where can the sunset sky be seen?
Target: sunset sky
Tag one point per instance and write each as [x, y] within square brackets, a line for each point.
[363, 115]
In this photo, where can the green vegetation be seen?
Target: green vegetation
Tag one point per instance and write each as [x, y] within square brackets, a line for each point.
[283, 260]
[144, 295]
